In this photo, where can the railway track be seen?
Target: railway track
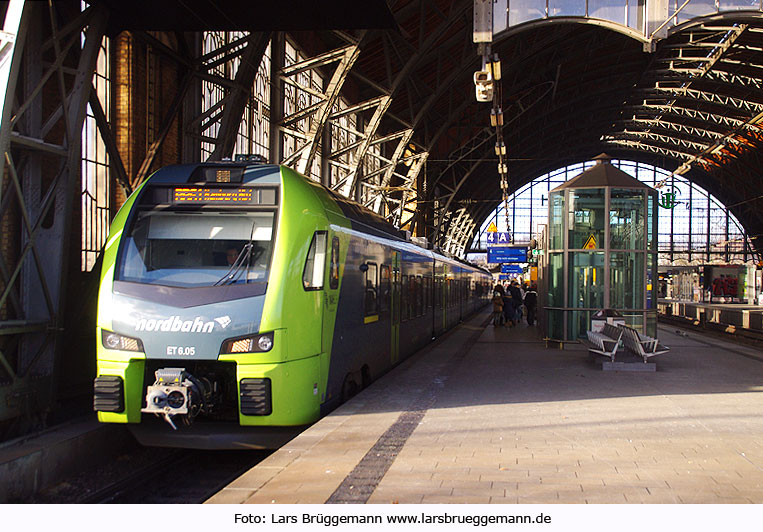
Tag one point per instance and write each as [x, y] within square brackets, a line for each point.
[716, 330]
[155, 476]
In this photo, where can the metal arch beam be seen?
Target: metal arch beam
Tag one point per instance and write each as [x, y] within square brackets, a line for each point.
[303, 156]
[725, 74]
[446, 208]
[354, 179]
[649, 137]
[745, 210]
[652, 124]
[41, 285]
[386, 176]
[347, 185]
[637, 145]
[416, 163]
[691, 113]
[741, 175]
[714, 82]
[153, 150]
[459, 232]
[115, 158]
[725, 39]
[680, 94]
[644, 118]
[441, 88]
[376, 194]
[236, 102]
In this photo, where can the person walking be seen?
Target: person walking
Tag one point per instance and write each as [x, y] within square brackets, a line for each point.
[531, 303]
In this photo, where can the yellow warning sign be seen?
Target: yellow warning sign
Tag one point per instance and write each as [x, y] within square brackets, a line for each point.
[492, 228]
[590, 243]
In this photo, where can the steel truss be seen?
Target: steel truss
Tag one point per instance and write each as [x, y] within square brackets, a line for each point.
[41, 159]
[42, 124]
[380, 170]
[695, 100]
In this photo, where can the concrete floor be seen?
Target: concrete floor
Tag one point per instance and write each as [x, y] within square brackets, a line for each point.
[489, 415]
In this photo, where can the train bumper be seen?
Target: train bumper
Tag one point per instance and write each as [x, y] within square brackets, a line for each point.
[131, 373]
[282, 394]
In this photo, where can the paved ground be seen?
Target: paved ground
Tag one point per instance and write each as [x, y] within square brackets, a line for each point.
[492, 416]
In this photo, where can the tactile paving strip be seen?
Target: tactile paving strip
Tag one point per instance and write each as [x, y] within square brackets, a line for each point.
[358, 486]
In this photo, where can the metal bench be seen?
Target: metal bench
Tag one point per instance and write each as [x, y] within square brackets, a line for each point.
[641, 344]
[604, 342]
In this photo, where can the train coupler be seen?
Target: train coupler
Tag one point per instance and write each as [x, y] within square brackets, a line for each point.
[175, 392]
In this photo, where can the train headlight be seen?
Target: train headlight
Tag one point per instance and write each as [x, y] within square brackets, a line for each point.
[112, 340]
[265, 342]
[259, 343]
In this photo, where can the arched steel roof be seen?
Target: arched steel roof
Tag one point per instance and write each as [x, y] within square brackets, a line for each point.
[571, 91]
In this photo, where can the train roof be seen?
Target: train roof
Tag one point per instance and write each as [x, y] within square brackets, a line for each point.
[247, 172]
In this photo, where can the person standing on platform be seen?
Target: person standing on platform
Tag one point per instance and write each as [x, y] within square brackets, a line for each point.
[516, 302]
[531, 303]
[498, 319]
[498, 290]
[508, 307]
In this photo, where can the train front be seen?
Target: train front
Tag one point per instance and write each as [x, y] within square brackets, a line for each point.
[186, 355]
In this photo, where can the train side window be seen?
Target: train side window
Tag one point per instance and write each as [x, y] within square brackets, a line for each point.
[334, 266]
[404, 302]
[412, 296]
[312, 275]
[370, 299]
[427, 294]
[385, 288]
[419, 297]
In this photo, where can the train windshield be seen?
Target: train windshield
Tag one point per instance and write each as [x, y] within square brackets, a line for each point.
[194, 249]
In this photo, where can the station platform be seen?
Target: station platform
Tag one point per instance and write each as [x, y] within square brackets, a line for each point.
[490, 415]
[741, 319]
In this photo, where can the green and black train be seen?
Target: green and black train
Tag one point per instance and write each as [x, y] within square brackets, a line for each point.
[239, 302]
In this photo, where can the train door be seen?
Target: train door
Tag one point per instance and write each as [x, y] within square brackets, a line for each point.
[395, 304]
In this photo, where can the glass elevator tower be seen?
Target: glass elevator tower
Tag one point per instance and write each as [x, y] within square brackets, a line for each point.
[602, 251]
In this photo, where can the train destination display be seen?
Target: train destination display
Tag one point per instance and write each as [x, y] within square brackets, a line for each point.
[212, 195]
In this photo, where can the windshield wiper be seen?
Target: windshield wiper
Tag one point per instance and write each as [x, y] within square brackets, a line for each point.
[240, 264]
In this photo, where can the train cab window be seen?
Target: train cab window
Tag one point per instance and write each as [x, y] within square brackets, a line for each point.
[312, 275]
[190, 249]
[385, 288]
[370, 293]
[334, 265]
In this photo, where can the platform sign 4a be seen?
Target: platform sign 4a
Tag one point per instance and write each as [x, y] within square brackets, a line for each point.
[495, 237]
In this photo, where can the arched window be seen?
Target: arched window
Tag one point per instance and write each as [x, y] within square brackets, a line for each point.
[694, 227]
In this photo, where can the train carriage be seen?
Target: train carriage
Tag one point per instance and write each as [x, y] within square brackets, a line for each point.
[239, 302]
